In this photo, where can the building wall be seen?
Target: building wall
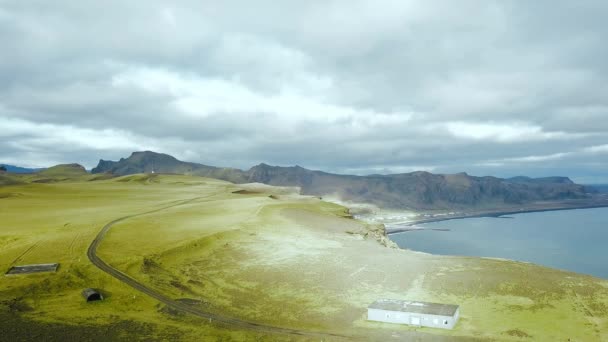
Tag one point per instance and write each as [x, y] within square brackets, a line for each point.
[425, 320]
[388, 316]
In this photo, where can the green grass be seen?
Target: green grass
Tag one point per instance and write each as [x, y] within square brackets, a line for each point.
[285, 261]
[56, 223]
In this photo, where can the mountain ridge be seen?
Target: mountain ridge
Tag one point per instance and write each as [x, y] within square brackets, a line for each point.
[415, 190]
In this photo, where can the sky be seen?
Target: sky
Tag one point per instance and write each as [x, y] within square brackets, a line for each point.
[498, 88]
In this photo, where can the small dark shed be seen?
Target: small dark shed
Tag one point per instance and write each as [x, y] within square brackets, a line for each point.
[91, 295]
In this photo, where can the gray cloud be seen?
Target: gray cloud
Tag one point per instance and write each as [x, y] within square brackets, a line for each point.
[487, 87]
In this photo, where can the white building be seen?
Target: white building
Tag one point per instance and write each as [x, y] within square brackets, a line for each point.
[415, 313]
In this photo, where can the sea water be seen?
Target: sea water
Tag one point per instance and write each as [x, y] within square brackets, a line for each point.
[574, 240]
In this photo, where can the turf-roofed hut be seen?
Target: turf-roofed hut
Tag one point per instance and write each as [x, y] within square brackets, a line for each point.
[91, 295]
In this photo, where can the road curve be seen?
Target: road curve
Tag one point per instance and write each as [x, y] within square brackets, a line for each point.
[183, 307]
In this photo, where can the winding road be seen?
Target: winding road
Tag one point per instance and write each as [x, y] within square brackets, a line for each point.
[180, 306]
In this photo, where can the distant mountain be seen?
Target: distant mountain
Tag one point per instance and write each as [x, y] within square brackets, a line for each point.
[145, 162]
[148, 162]
[601, 188]
[17, 169]
[546, 180]
[422, 190]
[416, 190]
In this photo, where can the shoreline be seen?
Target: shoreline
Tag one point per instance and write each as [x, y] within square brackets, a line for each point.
[494, 214]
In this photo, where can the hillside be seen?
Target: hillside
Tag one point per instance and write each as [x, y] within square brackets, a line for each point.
[253, 253]
[7, 179]
[416, 190]
[64, 170]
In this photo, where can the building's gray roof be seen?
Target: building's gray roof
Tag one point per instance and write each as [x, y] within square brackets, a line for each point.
[24, 269]
[415, 307]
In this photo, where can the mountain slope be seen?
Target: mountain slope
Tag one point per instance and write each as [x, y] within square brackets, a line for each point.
[416, 190]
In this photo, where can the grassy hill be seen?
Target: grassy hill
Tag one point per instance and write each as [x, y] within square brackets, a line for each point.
[64, 170]
[257, 253]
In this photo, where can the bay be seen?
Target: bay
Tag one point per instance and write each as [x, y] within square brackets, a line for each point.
[574, 240]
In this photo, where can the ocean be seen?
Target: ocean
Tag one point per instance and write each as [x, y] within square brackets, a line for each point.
[573, 240]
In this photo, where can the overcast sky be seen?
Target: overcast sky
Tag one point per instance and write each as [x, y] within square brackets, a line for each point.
[488, 87]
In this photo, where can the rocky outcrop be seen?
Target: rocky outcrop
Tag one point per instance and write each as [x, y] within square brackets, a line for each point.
[376, 232]
[104, 166]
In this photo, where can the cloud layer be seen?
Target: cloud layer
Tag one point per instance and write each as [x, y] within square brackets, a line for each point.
[487, 87]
